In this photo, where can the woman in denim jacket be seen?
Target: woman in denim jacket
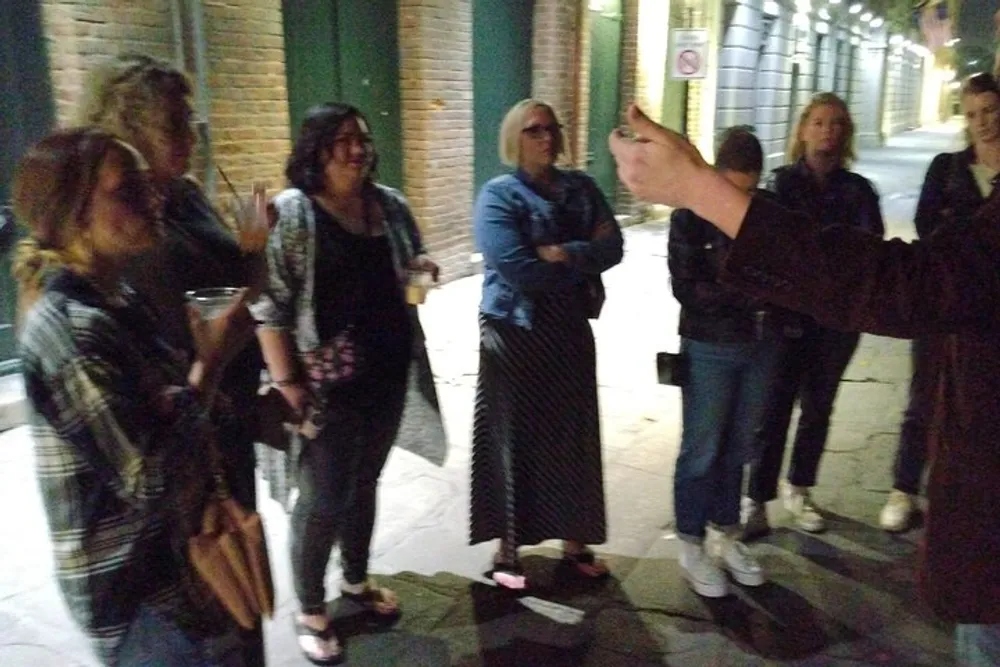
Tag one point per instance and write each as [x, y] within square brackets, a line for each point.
[546, 235]
[337, 336]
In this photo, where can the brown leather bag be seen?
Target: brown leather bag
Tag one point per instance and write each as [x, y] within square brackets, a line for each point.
[230, 556]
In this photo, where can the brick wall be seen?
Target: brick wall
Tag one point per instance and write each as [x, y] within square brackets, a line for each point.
[436, 89]
[79, 35]
[248, 91]
[244, 58]
[560, 59]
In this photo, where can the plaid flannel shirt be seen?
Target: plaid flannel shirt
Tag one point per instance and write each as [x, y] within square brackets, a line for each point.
[119, 437]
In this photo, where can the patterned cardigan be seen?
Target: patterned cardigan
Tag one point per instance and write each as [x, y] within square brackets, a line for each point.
[288, 300]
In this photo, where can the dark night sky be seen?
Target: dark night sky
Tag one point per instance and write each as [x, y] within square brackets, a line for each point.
[976, 22]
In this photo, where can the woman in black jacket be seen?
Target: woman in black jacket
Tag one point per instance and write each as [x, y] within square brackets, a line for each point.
[816, 182]
[956, 185]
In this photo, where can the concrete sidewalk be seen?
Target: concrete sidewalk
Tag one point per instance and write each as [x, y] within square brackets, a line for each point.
[846, 597]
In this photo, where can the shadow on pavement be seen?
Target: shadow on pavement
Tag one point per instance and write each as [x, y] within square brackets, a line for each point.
[643, 615]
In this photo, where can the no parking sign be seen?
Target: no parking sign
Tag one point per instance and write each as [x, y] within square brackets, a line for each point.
[688, 53]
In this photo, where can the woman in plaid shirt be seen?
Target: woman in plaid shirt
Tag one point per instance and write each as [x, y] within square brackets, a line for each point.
[119, 421]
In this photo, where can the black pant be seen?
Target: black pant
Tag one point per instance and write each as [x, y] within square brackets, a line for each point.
[338, 481]
[912, 453]
[810, 371]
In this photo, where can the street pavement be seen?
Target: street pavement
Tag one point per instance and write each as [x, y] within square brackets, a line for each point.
[844, 597]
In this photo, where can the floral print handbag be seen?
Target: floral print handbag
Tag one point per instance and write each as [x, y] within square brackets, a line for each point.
[334, 362]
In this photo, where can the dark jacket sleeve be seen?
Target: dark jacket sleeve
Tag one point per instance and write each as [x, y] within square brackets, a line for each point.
[932, 203]
[594, 256]
[870, 209]
[850, 280]
[695, 253]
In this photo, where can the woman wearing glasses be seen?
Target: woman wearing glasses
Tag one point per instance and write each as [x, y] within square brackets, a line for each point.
[337, 336]
[546, 235]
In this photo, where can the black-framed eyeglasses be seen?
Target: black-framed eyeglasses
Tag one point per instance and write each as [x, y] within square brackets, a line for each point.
[539, 131]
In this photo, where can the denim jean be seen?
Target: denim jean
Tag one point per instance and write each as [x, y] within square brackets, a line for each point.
[977, 645]
[723, 402]
[154, 641]
[338, 483]
[912, 452]
[809, 370]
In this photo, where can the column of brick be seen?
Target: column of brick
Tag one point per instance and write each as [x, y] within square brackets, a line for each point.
[560, 60]
[435, 40]
[245, 53]
[629, 91]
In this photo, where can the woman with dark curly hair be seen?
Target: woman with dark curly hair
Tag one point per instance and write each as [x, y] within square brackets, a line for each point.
[337, 336]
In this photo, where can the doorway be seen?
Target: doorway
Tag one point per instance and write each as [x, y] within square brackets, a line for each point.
[348, 51]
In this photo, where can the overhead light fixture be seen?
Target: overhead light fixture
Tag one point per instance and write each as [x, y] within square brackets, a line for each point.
[855, 40]
[877, 22]
[896, 40]
[822, 28]
[855, 8]
[834, 2]
[824, 14]
[772, 8]
[866, 17]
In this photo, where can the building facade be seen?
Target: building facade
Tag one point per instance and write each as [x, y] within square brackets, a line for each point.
[435, 77]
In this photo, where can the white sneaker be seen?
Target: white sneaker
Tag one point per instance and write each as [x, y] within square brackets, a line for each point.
[742, 566]
[705, 577]
[799, 503]
[754, 519]
[898, 511]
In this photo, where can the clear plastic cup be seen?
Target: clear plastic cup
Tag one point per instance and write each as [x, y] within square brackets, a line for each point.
[417, 284]
[212, 302]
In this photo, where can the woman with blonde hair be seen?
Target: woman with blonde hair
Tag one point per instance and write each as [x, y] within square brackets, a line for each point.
[147, 102]
[817, 181]
[546, 235]
[121, 436]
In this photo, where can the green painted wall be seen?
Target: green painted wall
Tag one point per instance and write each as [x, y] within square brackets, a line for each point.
[605, 94]
[501, 74]
[348, 51]
[26, 115]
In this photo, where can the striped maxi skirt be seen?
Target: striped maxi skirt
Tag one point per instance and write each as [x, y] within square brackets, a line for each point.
[536, 450]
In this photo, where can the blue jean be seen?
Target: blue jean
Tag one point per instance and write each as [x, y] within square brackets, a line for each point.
[155, 641]
[723, 403]
[977, 645]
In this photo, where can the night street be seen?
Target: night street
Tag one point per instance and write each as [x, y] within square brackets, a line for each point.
[844, 597]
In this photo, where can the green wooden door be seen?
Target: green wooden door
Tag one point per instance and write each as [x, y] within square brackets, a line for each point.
[348, 51]
[605, 95]
[501, 74]
[26, 115]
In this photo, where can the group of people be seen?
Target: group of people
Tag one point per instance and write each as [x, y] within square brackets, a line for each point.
[132, 391]
[943, 289]
[139, 403]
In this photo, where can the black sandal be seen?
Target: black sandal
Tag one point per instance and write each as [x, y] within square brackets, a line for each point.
[508, 576]
[585, 564]
[373, 596]
[327, 634]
